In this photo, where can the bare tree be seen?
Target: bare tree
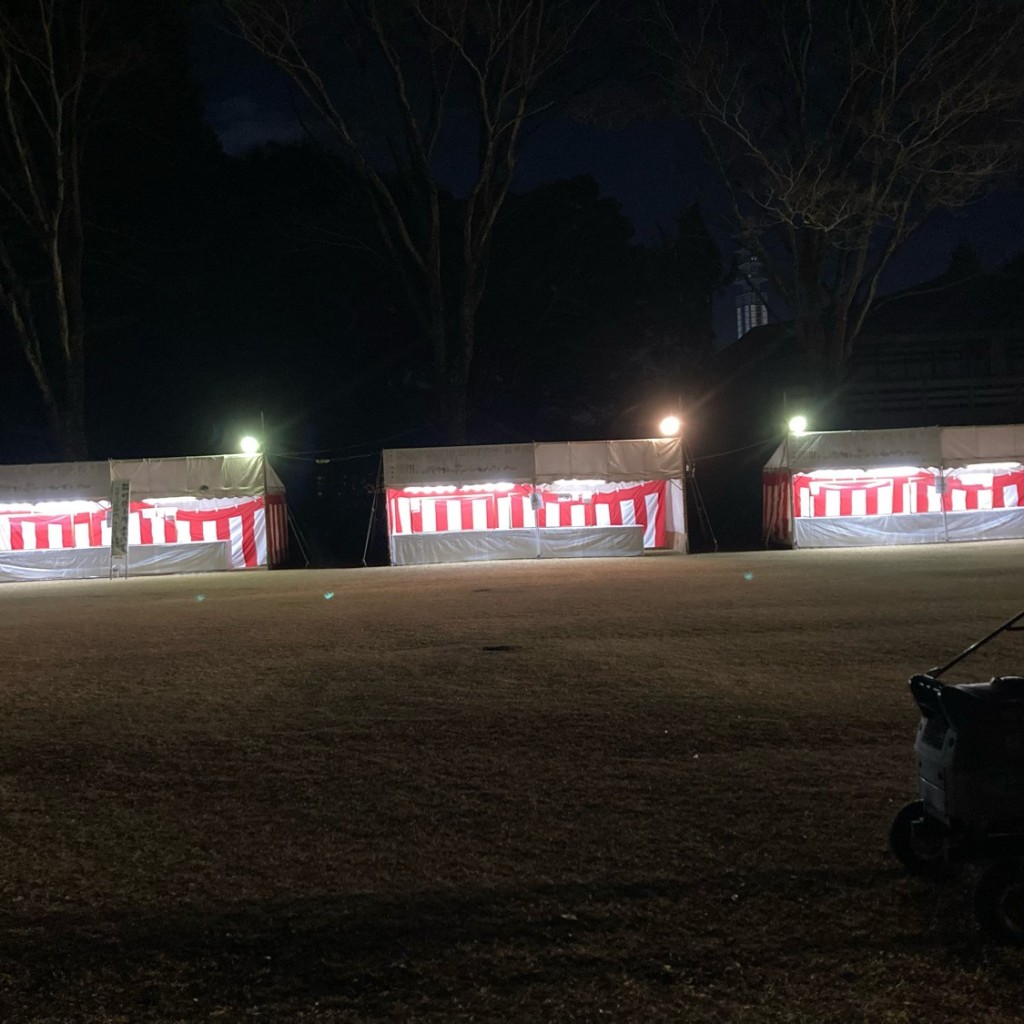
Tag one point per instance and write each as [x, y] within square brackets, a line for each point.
[44, 66]
[840, 126]
[394, 81]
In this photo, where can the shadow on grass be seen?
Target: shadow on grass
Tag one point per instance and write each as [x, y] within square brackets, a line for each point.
[377, 952]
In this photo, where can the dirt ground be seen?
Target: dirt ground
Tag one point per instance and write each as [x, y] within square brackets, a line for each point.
[649, 789]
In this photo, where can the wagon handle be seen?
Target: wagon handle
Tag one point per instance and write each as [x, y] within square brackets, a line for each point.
[1007, 627]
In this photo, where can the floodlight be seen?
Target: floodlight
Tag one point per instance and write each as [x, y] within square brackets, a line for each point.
[670, 426]
[798, 425]
[249, 445]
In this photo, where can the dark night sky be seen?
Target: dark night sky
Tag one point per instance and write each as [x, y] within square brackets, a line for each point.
[653, 169]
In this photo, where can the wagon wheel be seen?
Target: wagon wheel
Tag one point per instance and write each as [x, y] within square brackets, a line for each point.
[919, 853]
[999, 901]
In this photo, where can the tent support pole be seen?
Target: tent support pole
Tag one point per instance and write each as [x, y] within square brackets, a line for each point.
[373, 508]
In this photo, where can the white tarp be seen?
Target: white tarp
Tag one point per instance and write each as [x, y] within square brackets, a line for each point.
[913, 446]
[962, 446]
[490, 545]
[94, 563]
[459, 464]
[543, 462]
[207, 476]
[612, 461]
[858, 449]
[55, 481]
[922, 528]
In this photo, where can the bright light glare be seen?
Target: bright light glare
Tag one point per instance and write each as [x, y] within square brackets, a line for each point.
[249, 445]
[798, 425]
[671, 425]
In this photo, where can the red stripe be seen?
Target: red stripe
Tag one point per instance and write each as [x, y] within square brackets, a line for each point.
[170, 531]
[660, 538]
[466, 508]
[517, 510]
[17, 536]
[898, 485]
[42, 534]
[640, 510]
[249, 554]
[492, 511]
[416, 516]
[96, 521]
[145, 529]
[818, 501]
[845, 501]
[441, 515]
[223, 529]
[797, 482]
[871, 501]
[921, 495]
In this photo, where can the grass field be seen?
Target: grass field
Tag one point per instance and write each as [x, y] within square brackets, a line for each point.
[647, 789]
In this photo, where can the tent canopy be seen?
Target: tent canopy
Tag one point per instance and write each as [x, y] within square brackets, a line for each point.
[918, 446]
[206, 476]
[538, 463]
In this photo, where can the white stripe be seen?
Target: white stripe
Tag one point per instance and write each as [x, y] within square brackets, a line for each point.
[429, 516]
[958, 499]
[859, 503]
[885, 499]
[209, 529]
[806, 506]
[529, 515]
[984, 499]
[910, 498]
[54, 536]
[651, 501]
[81, 535]
[134, 528]
[505, 511]
[831, 503]
[935, 499]
[28, 534]
[1011, 496]
[454, 514]
[628, 512]
[578, 516]
[602, 513]
[480, 513]
[404, 516]
[235, 555]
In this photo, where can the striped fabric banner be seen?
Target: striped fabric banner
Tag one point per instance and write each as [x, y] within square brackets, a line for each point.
[239, 523]
[639, 504]
[960, 490]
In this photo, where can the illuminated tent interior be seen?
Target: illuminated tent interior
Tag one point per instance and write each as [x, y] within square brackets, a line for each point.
[567, 499]
[923, 485]
[185, 515]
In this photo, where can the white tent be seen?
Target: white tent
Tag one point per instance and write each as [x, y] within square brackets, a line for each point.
[920, 485]
[181, 515]
[564, 499]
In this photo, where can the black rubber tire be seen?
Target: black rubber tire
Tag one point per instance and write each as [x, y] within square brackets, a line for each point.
[916, 857]
[999, 901]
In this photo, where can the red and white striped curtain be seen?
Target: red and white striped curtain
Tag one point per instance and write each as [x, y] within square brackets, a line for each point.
[637, 504]
[238, 522]
[960, 490]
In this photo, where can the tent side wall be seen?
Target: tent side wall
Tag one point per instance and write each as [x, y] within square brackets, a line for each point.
[565, 499]
[185, 515]
[924, 486]
[777, 522]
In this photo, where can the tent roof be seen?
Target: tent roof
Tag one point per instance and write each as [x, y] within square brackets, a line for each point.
[913, 446]
[207, 476]
[539, 462]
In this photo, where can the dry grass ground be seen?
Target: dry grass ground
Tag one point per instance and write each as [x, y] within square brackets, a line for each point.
[629, 790]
